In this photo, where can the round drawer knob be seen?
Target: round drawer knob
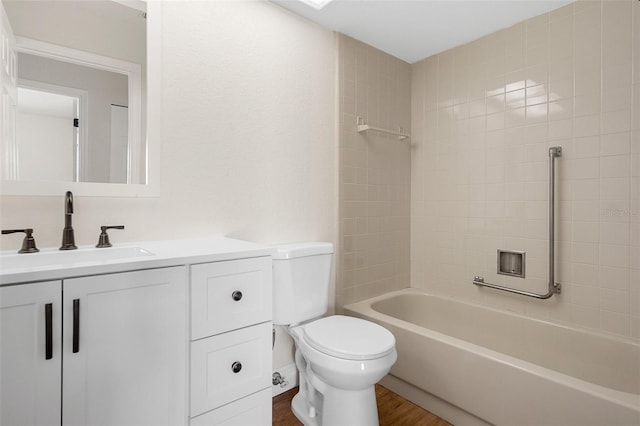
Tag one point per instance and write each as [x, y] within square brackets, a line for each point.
[236, 295]
[236, 367]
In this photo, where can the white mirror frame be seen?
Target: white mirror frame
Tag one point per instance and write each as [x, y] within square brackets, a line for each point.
[154, 87]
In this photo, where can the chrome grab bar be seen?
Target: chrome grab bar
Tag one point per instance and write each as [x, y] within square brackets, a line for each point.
[554, 287]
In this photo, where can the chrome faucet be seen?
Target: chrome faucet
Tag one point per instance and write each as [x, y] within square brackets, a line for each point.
[68, 238]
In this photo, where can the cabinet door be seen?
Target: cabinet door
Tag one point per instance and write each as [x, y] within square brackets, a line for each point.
[30, 355]
[124, 348]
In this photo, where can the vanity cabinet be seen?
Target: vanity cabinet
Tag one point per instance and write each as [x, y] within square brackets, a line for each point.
[230, 362]
[119, 358]
[181, 335]
[30, 379]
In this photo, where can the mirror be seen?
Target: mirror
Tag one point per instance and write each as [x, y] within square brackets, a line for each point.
[76, 111]
[77, 116]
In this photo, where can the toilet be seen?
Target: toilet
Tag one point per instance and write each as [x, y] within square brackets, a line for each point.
[339, 358]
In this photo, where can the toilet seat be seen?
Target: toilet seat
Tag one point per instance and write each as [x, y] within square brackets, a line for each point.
[349, 338]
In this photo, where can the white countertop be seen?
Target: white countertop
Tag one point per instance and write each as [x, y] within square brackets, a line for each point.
[163, 254]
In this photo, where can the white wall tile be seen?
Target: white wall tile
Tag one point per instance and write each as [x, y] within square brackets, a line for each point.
[576, 92]
[375, 193]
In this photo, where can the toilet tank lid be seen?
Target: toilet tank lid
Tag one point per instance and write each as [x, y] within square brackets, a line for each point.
[295, 250]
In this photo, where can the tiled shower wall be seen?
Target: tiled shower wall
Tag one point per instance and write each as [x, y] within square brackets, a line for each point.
[374, 176]
[483, 117]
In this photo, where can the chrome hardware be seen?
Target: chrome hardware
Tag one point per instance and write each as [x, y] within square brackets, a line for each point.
[28, 244]
[236, 295]
[479, 281]
[277, 379]
[68, 237]
[103, 239]
[511, 263]
[554, 287]
[236, 367]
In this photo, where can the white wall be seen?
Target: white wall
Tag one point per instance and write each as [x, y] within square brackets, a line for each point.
[248, 141]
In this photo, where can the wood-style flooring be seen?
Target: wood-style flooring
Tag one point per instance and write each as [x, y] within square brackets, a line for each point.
[392, 410]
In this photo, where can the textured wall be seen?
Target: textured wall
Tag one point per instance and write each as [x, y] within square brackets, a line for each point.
[248, 136]
[483, 117]
[374, 176]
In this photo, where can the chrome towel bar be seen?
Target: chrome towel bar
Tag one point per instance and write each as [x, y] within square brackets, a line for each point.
[554, 287]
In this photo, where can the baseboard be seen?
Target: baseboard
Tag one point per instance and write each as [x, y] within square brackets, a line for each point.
[289, 377]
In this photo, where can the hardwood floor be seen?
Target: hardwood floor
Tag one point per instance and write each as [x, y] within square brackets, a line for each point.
[393, 410]
[282, 414]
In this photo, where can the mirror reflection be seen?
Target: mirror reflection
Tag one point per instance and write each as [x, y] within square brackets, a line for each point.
[78, 98]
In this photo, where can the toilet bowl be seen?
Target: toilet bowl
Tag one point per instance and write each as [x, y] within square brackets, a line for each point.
[346, 352]
[339, 358]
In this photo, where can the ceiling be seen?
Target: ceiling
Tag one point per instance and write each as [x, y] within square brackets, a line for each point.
[416, 29]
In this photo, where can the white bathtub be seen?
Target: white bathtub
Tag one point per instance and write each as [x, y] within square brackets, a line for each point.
[504, 368]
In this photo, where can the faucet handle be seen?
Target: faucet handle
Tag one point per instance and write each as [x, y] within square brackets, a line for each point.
[103, 239]
[28, 244]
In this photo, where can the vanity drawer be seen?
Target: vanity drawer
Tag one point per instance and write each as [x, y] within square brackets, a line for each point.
[228, 366]
[229, 295]
[252, 410]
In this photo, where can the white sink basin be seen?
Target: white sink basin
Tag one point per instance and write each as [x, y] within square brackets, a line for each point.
[56, 258]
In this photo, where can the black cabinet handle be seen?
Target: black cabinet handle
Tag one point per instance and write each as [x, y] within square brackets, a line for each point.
[76, 326]
[48, 331]
[236, 367]
[236, 295]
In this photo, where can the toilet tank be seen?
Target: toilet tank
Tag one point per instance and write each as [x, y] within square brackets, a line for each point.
[301, 275]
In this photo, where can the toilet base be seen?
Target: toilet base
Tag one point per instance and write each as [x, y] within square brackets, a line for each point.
[301, 410]
[338, 408]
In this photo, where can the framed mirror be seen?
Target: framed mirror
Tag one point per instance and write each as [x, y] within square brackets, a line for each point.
[75, 91]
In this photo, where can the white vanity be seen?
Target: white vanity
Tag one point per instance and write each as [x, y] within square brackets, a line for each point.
[156, 333]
